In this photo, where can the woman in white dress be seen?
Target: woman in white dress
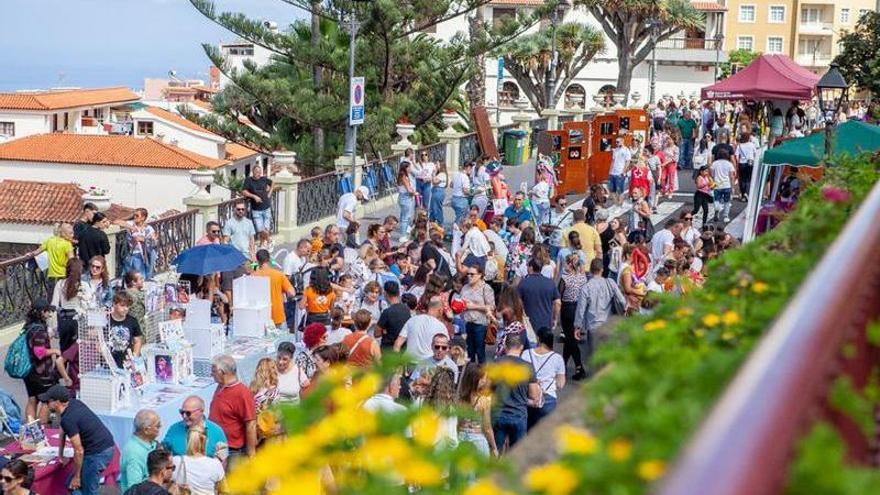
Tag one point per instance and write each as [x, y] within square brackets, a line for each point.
[196, 471]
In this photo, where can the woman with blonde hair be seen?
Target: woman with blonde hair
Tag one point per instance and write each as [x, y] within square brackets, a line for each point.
[201, 474]
[264, 386]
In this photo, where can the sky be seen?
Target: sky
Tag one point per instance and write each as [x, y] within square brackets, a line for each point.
[99, 43]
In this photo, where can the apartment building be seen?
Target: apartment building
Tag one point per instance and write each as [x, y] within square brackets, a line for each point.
[806, 30]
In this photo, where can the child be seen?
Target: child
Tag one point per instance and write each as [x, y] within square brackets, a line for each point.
[337, 331]
[317, 241]
[346, 299]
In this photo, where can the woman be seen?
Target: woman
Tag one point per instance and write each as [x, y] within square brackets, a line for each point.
[659, 117]
[209, 290]
[670, 167]
[746, 153]
[371, 301]
[291, 378]
[325, 357]
[425, 179]
[43, 373]
[640, 215]
[475, 394]
[438, 193]
[264, 385]
[570, 283]
[195, 470]
[441, 397]
[352, 232]
[406, 197]
[777, 127]
[318, 298]
[373, 235]
[631, 284]
[420, 280]
[14, 478]
[639, 176]
[475, 246]
[337, 332]
[703, 194]
[314, 336]
[703, 152]
[65, 297]
[550, 373]
[518, 256]
[480, 312]
[512, 315]
[95, 285]
[574, 247]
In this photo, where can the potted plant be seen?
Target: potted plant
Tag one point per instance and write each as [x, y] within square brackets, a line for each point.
[405, 130]
[98, 196]
[202, 177]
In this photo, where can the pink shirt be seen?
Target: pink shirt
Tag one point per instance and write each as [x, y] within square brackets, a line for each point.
[206, 240]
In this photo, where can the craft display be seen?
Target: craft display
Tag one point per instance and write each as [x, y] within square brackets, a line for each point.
[251, 311]
[207, 338]
[171, 359]
[31, 436]
[103, 390]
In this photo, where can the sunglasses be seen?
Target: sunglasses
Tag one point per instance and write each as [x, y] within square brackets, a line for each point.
[441, 347]
[215, 231]
[8, 479]
[97, 267]
[184, 412]
[241, 209]
[688, 219]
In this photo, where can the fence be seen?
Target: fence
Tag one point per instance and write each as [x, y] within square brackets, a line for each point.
[317, 197]
[689, 44]
[176, 234]
[565, 118]
[225, 210]
[436, 152]
[469, 148]
[21, 282]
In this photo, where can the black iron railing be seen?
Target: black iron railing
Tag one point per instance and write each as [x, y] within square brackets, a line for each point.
[469, 149]
[566, 118]
[689, 44]
[21, 281]
[436, 152]
[176, 234]
[224, 210]
[317, 197]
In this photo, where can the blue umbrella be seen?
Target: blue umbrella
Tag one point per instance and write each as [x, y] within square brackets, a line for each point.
[210, 258]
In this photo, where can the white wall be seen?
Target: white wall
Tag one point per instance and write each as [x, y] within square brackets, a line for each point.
[260, 57]
[27, 124]
[187, 139]
[24, 233]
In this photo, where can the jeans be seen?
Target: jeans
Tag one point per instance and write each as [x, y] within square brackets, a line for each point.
[262, 220]
[438, 194]
[137, 262]
[407, 203]
[478, 440]
[745, 177]
[722, 198]
[616, 184]
[92, 469]
[424, 190]
[476, 341]
[509, 428]
[570, 348]
[460, 207]
[701, 201]
[536, 414]
[687, 153]
[542, 210]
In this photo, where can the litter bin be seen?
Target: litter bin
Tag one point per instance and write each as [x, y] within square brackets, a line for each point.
[514, 147]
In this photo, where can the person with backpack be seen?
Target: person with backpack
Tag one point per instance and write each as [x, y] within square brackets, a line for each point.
[42, 374]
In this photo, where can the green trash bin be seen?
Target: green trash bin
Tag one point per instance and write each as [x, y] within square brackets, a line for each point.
[515, 146]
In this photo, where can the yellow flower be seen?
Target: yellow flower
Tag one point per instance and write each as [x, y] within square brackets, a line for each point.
[700, 333]
[360, 390]
[651, 470]
[730, 318]
[420, 472]
[342, 425]
[507, 372]
[381, 453]
[727, 335]
[425, 427]
[485, 487]
[552, 479]
[711, 320]
[571, 440]
[274, 460]
[654, 325]
[733, 292]
[759, 287]
[683, 312]
[305, 482]
[620, 450]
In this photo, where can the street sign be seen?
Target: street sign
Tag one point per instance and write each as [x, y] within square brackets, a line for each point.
[356, 102]
[500, 77]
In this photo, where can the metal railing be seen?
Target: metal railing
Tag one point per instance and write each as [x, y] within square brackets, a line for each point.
[224, 210]
[566, 118]
[689, 44]
[176, 234]
[21, 282]
[746, 443]
[436, 152]
[469, 148]
[317, 197]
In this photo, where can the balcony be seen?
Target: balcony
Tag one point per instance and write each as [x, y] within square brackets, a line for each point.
[690, 51]
[816, 28]
[813, 59]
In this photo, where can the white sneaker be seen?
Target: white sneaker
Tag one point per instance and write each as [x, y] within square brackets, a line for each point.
[726, 219]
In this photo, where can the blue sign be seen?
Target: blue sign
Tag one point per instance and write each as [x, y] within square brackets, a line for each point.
[500, 70]
[356, 101]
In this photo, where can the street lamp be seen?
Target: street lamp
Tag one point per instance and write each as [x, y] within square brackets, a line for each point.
[719, 39]
[832, 92]
[655, 34]
[351, 130]
[550, 85]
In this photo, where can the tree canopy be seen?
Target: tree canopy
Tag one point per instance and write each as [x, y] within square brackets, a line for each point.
[859, 57]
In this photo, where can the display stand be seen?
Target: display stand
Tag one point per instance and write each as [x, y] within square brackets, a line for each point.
[251, 313]
[207, 338]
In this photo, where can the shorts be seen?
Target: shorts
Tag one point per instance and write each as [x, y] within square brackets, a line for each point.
[262, 220]
[35, 385]
[616, 184]
[722, 195]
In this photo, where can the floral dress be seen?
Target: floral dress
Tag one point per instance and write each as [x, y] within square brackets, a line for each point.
[517, 260]
[513, 328]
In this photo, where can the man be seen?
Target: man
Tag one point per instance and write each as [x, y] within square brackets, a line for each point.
[142, 239]
[540, 297]
[233, 407]
[92, 240]
[688, 127]
[595, 303]
[517, 210]
[134, 285]
[384, 401]
[258, 190]
[493, 235]
[432, 254]
[440, 357]
[297, 269]
[58, 249]
[591, 242]
[722, 130]
[212, 234]
[393, 318]
[560, 219]
[708, 118]
[239, 231]
[193, 416]
[390, 224]
[347, 205]
[461, 189]
[332, 235]
[161, 471]
[124, 334]
[85, 219]
[724, 175]
[723, 143]
[620, 158]
[363, 350]
[510, 421]
[134, 456]
[279, 286]
[91, 440]
[662, 242]
[419, 331]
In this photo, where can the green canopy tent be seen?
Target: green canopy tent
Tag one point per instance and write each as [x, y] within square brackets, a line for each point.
[850, 138]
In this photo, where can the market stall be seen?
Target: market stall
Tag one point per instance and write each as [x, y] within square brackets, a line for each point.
[769, 77]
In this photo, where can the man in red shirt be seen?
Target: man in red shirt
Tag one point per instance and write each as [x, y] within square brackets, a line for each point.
[233, 408]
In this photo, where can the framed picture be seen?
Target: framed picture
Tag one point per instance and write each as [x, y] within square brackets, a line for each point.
[32, 434]
[624, 123]
[170, 293]
[605, 144]
[171, 331]
[164, 368]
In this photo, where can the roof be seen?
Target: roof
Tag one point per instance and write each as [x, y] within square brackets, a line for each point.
[34, 202]
[234, 151]
[708, 6]
[206, 105]
[57, 100]
[850, 138]
[769, 77]
[204, 89]
[120, 151]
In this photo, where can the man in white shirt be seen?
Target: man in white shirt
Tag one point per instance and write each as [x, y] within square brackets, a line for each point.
[493, 236]
[384, 401]
[724, 175]
[347, 205]
[620, 157]
[418, 333]
[662, 242]
[440, 358]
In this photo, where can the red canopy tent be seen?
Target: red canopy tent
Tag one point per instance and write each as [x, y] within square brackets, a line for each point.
[769, 77]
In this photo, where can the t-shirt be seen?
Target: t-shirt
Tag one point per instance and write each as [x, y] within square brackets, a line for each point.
[121, 335]
[290, 383]
[523, 215]
[200, 474]
[318, 303]
[514, 400]
[589, 239]
[58, 250]
[147, 488]
[240, 234]
[278, 286]
[441, 266]
[260, 187]
[546, 367]
[347, 202]
[746, 152]
[359, 345]
[336, 335]
[419, 331]
[78, 419]
[721, 170]
[721, 146]
[541, 192]
[687, 126]
[92, 242]
[619, 158]
[391, 321]
[134, 462]
[175, 438]
[499, 244]
[659, 242]
[231, 408]
[460, 183]
[538, 293]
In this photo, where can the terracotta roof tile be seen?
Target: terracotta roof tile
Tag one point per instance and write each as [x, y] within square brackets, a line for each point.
[123, 151]
[235, 151]
[176, 119]
[708, 6]
[206, 105]
[204, 89]
[34, 202]
[56, 100]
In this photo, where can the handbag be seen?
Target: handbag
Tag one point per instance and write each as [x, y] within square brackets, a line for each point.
[491, 334]
[617, 307]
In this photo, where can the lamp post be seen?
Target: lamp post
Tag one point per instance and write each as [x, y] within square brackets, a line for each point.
[719, 39]
[832, 92]
[351, 130]
[655, 33]
[550, 80]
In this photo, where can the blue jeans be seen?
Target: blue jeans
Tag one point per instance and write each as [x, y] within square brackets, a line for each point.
[687, 153]
[137, 262]
[460, 207]
[476, 341]
[509, 428]
[542, 210]
[438, 194]
[536, 414]
[92, 469]
[407, 203]
[616, 184]
[424, 190]
[478, 440]
[262, 220]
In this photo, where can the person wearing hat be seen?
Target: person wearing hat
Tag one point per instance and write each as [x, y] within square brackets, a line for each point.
[347, 205]
[43, 372]
[92, 442]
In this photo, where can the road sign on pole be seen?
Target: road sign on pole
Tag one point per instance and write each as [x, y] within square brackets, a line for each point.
[356, 102]
[500, 77]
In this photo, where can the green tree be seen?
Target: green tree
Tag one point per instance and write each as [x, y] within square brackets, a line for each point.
[628, 24]
[859, 57]
[740, 58]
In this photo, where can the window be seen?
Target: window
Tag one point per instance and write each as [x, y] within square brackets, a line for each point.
[7, 129]
[509, 93]
[862, 12]
[499, 13]
[145, 128]
[242, 50]
[746, 13]
[810, 16]
[774, 44]
[777, 14]
[844, 16]
[745, 43]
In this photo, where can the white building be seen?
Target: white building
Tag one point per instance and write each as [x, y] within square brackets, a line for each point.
[241, 51]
